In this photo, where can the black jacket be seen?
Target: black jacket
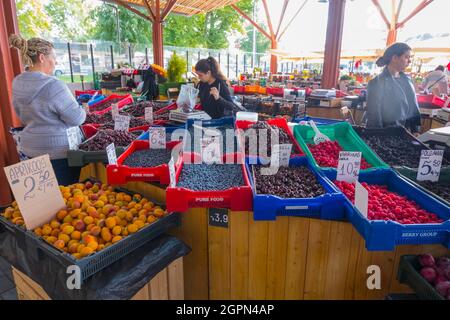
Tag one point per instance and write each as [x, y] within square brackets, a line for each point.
[392, 102]
[215, 108]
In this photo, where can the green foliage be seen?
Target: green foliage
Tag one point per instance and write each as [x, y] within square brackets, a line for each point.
[262, 43]
[176, 68]
[33, 22]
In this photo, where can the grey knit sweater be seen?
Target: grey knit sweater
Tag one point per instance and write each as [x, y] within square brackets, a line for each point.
[46, 108]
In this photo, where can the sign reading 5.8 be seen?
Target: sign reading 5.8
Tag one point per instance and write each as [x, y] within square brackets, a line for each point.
[430, 165]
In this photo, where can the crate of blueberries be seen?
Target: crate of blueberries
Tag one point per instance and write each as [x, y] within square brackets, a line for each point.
[141, 163]
[218, 185]
[252, 144]
[93, 149]
[295, 190]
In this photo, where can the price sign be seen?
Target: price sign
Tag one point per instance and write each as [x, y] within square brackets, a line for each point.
[111, 153]
[361, 199]
[114, 109]
[121, 123]
[157, 137]
[218, 217]
[172, 172]
[85, 107]
[35, 188]
[149, 114]
[348, 166]
[430, 165]
[73, 135]
[281, 153]
[210, 148]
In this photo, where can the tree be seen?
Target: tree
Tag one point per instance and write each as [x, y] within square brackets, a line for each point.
[70, 18]
[133, 28]
[33, 22]
[262, 43]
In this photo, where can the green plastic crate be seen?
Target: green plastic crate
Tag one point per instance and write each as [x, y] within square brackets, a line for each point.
[408, 273]
[411, 174]
[347, 138]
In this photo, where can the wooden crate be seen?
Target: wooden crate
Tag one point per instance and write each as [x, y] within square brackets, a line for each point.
[166, 285]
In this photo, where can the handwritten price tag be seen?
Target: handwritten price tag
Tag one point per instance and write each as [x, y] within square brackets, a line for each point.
[210, 147]
[149, 114]
[430, 165]
[172, 172]
[114, 109]
[361, 199]
[157, 137]
[348, 166]
[73, 135]
[121, 123]
[281, 153]
[111, 153]
[35, 188]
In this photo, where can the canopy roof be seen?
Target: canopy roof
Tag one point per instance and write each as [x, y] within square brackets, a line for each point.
[184, 7]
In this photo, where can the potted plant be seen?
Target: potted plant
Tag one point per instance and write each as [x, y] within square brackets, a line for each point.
[176, 68]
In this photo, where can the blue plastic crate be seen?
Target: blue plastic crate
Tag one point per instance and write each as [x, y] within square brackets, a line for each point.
[212, 123]
[96, 100]
[329, 206]
[385, 235]
[318, 121]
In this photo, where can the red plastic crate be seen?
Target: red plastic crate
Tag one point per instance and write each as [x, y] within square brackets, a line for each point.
[91, 92]
[171, 106]
[121, 174]
[278, 122]
[239, 89]
[430, 100]
[236, 198]
[125, 100]
[275, 91]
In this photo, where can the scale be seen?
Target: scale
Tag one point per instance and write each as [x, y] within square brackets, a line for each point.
[323, 94]
[443, 114]
[437, 138]
[180, 116]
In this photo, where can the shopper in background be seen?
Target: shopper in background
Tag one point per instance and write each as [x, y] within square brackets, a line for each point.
[214, 94]
[436, 82]
[45, 106]
[391, 99]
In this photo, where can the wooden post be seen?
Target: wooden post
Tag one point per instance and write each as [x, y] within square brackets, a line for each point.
[335, 27]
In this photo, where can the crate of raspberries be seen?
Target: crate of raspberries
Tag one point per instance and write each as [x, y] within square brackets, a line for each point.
[98, 226]
[398, 212]
[255, 137]
[325, 155]
[94, 149]
[427, 276]
[140, 163]
[296, 190]
[200, 185]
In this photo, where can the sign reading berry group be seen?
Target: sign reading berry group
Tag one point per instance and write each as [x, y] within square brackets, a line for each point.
[348, 166]
[430, 165]
[35, 188]
[157, 137]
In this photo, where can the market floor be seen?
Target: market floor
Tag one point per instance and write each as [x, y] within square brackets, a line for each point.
[7, 287]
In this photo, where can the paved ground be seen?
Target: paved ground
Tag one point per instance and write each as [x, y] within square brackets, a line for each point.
[7, 288]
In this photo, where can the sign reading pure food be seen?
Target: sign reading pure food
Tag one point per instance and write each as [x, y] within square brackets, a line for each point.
[218, 217]
[430, 165]
[348, 166]
[35, 188]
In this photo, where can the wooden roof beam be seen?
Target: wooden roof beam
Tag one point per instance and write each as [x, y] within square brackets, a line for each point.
[168, 8]
[383, 15]
[126, 6]
[149, 9]
[283, 13]
[269, 20]
[292, 19]
[419, 8]
[257, 26]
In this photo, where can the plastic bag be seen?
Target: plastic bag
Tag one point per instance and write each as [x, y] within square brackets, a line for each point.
[187, 98]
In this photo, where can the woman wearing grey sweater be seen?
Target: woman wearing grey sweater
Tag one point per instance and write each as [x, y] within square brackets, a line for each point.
[45, 106]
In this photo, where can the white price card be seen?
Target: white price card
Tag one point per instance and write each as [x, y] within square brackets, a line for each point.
[111, 153]
[73, 135]
[172, 172]
[430, 165]
[85, 107]
[149, 114]
[361, 198]
[114, 109]
[348, 166]
[157, 137]
[35, 188]
[121, 123]
[210, 149]
[281, 153]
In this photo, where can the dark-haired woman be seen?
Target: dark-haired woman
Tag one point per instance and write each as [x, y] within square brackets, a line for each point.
[391, 98]
[214, 95]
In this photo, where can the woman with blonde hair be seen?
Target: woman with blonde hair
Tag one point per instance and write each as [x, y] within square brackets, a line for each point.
[45, 106]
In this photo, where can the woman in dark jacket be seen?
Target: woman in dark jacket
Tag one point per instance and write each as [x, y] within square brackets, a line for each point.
[391, 99]
[214, 95]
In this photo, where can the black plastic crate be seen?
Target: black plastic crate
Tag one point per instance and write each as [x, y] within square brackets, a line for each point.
[90, 265]
[408, 273]
[80, 158]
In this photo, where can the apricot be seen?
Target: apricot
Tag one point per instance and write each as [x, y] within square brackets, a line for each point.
[131, 205]
[106, 234]
[76, 235]
[46, 230]
[111, 222]
[138, 206]
[86, 251]
[54, 224]
[99, 204]
[129, 216]
[148, 206]
[76, 255]
[88, 220]
[55, 232]
[151, 218]
[88, 239]
[100, 247]
[125, 232]
[85, 233]
[95, 230]
[91, 211]
[80, 247]
[68, 219]
[116, 239]
[64, 237]
[159, 212]
[59, 244]
[71, 242]
[101, 223]
[126, 198]
[51, 239]
[79, 225]
[142, 217]
[137, 197]
[139, 223]
[38, 231]
[121, 214]
[90, 226]
[93, 245]
[117, 230]
[68, 230]
[123, 223]
[132, 228]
